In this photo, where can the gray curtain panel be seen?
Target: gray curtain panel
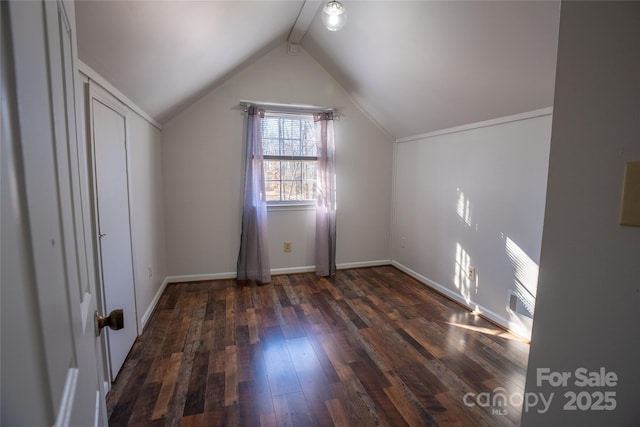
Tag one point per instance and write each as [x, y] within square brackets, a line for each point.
[253, 260]
[326, 207]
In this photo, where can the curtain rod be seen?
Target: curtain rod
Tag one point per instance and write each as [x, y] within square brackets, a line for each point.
[287, 108]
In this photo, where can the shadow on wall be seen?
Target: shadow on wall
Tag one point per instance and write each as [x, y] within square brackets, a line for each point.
[463, 208]
[465, 282]
[521, 297]
[464, 276]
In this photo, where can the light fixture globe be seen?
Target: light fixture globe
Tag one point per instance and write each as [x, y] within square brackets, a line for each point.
[334, 15]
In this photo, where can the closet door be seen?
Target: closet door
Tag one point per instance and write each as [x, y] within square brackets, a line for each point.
[108, 126]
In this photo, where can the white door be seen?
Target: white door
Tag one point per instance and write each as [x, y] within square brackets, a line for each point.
[52, 272]
[108, 126]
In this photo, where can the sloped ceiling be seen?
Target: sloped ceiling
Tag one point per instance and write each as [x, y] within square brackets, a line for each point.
[164, 54]
[414, 66]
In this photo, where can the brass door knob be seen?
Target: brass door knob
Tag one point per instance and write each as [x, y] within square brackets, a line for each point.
[115, 321]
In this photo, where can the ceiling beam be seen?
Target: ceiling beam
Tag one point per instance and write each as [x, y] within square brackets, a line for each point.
[304, 20]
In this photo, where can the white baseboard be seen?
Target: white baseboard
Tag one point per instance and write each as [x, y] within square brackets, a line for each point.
[152, 305]
[485, 312]
[201, 277]
[293, 270]
[341, 266]
[363, 264]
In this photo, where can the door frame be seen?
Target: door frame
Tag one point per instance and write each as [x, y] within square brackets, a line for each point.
[98, 93]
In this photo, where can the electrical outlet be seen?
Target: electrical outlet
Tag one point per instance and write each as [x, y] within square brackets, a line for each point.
[471, 273]
[287, 246]
[150, 270]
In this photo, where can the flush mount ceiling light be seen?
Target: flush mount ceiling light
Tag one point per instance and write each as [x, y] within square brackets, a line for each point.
[334, 15]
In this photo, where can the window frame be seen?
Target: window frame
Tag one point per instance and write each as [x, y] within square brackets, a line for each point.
[302, 204]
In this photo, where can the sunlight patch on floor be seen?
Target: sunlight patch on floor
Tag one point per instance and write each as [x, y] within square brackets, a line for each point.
[487, 331]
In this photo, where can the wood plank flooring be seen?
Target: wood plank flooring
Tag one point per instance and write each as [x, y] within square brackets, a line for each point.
[368, 347]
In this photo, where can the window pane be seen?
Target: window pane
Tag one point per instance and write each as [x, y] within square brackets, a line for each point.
[272, 190]
[309, 190]
[270, 146]
[270, 127]
[309, 180]
[291, 190]
[271, 169]
[290, 128]
[292, 170]
[291, 147]
[309, 148]
[308, 137]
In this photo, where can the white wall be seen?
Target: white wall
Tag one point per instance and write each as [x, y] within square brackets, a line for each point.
[203, 172]
[589, 289]
[302, 234]
[474, 196]
[147, 212]
[146, 195]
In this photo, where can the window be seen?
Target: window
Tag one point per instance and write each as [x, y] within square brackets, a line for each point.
[290, 158]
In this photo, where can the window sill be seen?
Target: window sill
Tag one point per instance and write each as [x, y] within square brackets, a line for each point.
[298, 206]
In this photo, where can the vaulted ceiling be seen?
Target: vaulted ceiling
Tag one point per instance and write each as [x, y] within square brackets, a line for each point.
[413, 66]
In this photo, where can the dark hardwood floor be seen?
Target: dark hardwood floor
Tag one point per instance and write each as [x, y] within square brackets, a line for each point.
[366, 347]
